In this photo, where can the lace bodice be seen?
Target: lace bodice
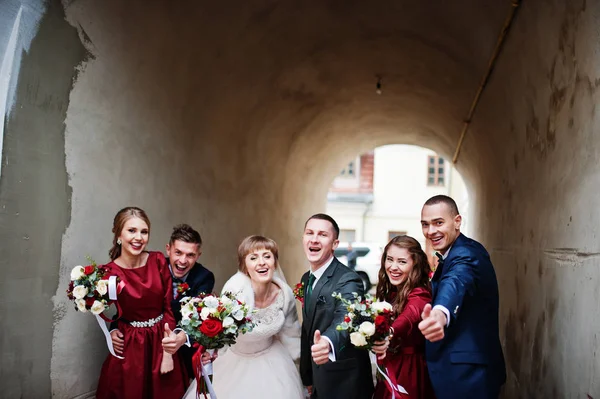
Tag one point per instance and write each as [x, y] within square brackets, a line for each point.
[268, 322]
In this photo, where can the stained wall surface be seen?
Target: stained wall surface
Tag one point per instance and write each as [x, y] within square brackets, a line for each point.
[236, 117]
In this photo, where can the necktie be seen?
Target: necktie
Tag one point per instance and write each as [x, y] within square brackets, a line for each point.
[440, 264]
[177, 280]
[309, 288]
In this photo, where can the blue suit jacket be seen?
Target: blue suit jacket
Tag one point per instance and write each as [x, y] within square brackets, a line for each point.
[468, 362]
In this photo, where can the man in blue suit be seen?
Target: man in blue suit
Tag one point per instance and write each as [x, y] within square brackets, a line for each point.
[463, 350]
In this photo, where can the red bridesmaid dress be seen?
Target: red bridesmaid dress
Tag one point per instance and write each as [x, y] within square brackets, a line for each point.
[146, 296]
[405, 358]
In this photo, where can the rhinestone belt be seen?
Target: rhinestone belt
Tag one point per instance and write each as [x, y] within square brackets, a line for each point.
[147, 323]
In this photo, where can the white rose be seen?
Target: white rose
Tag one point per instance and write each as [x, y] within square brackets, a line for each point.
[102, 287]
[238, 314]
[351, 315]
[227, 322]
[367, 328]
[225, 300]
[77, 273]
[81, 305]
[80, 291]
[205, 313]
[213, 311]
[211, 302]
[97, 307]
[379, 307]
[357, 339]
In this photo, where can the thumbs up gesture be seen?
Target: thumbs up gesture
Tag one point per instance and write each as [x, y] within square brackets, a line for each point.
[320, 349]
[167, 365]
[433, 323]
[172, 341]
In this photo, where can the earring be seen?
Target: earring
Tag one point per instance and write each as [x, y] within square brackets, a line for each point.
[118, 241]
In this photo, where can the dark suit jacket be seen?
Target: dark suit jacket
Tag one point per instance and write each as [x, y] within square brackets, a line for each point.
[200, 280]
[349, 377]
[468, 362]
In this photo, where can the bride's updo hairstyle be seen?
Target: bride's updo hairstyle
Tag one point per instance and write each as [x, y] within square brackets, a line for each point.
[255, 243]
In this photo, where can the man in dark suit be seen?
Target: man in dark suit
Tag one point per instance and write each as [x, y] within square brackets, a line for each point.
[463, 351]
[189, 279]
[330, 366]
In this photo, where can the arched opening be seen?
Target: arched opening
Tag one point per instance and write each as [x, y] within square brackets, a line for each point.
[378, 195]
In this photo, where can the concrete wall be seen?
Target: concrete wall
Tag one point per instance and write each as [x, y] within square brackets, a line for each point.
[539, 215]
[34, 194]
[231, 119]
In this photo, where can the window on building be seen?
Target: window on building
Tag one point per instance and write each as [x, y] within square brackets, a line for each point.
[347, 235]
[436, 171]
[351, 170]
[395, 233]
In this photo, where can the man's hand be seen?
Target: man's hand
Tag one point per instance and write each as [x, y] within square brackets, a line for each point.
[172, 342]
[380, 348]
[117, 341]
[309, 389]
[433, 324]
[320, 349]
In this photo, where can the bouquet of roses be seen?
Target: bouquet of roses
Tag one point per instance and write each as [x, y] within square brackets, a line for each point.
[368, 320]
[213, 322]
[89, 288]
[92, 289]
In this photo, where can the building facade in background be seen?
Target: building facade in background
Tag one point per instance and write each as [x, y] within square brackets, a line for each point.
[379, 194]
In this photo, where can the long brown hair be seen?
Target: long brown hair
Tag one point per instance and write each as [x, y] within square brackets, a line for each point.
[120, 219]
[252, 243]
[417, 277]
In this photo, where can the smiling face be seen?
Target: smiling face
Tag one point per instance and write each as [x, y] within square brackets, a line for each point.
[398, 264]
[318, 242]
[260, 265]
[440, 225]
[134, 236]
[183, 256]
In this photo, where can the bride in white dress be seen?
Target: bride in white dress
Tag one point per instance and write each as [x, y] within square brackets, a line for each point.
[261, 365]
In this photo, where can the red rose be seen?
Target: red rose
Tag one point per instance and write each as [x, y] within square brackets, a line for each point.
[211, 327]
[382, 325]
[348, 319]
[89, 301]
[89, 270]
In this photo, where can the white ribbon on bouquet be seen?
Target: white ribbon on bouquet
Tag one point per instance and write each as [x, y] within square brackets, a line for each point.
[394, 387]
[112, 295]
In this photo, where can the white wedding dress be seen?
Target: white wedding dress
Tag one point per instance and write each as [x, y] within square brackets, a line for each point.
[261, 363]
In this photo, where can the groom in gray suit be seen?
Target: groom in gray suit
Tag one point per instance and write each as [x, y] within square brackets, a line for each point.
[330, 366]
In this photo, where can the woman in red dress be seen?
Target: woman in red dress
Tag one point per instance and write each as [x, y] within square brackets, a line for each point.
[145, 305]
[404, 282]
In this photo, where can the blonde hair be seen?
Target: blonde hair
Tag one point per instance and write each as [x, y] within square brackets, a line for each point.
[253, 243]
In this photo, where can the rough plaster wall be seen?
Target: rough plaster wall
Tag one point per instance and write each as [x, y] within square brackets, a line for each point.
[34, 199]
[539, 213]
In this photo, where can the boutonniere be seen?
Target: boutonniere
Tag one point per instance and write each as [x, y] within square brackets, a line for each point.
[182, 289]
[299, 292]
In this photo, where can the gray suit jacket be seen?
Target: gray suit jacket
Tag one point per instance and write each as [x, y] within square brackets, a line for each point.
[349, 377]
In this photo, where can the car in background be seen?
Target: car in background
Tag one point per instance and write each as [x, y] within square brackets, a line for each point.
[367, 263]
